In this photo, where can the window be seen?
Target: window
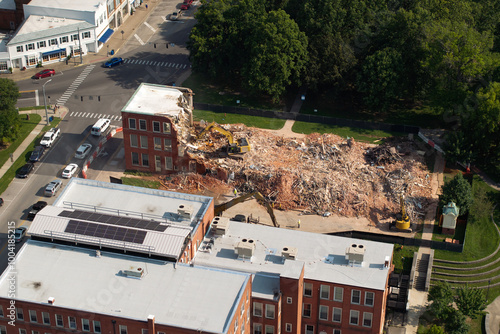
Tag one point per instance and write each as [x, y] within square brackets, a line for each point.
[324, 292]
[355, 296]
[157, 163]
[168, 163]
[367, 319]
[288, 327]
[86, 34]
[46, 318]
[97, 326]
[289, 300]
[369, 298]
[72, 322]
[157, 142]
[338, 294]
[123, 329]
[142, 124]
[22, 331]
[59, 320]
[3, 330]
[306, 312]
[20, 314]
[323, 312]
[257, 309]
[156, 126]
[30, 46]
[166, 127]
[336, 314]
[242, 309]
[35, 332]
[144, 142]
[337, 331]
[132, 123]
[85, 325]
[145, 160]
[269, 329]
[354, 317]
[309, 329]
[74, 37]
[19, 48]
[135, 158]
[144, 331]
[3, 66]
[63, 39]
[168, 144]
[1, 311]
[257, 328]
[53, 41]
[308, 292]
[133, 141]
[41, 44]
[270, 311]
[235, 329]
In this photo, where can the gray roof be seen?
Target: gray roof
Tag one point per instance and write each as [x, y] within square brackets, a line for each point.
[36, 28]
[8, 4]
[151, 99]
[180, 296]
[87, 5]
[322, 256]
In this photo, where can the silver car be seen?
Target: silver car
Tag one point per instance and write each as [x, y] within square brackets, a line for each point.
[83, 150]
[52, 188]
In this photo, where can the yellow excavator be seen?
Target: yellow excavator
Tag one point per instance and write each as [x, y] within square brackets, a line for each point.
[218, 209]
[402, 222]
[235, 147]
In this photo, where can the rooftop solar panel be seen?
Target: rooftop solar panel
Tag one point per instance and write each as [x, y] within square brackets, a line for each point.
[105, 231]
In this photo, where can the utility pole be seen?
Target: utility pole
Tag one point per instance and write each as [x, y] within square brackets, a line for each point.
[45, 101]
[80, 44]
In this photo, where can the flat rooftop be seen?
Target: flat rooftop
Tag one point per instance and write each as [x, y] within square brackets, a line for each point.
[151, 99]
[8, 4]
[138, 202]
[87, 5]
[36, 27]
[180, 296]
[322, 256]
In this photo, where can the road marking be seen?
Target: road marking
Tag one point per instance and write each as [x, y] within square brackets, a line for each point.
[149, 26]
[74, 86]
[139, 39]
[184, 66]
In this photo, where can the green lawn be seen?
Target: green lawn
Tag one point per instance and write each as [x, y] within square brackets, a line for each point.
[132, 181]
[252, 121]
[403, 258]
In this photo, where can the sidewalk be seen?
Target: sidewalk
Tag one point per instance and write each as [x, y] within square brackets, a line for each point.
[115, 42]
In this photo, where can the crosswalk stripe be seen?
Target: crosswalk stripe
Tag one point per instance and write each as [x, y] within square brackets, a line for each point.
[184, 66]
[74, 85]
[72, 113]
[139, 39]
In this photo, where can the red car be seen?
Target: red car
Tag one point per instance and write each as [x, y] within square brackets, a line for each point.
[44, 74]
[185, 6]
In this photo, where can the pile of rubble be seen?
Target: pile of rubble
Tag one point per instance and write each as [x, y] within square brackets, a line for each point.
[322, 174]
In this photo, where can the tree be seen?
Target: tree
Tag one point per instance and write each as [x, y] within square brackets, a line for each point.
[9, 93]
[441, 296]
[456, 323]
[457, 190]
[481, 207]
[471, 301]
[435, 329]
[9, 120]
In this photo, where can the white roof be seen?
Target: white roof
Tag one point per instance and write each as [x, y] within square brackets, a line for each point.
[87, 5]
[153, 99]
[323, 256]
[113, 198]
[180, 296]
[36, 27]
[54, 223]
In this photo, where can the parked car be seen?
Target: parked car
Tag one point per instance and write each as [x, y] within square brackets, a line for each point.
[37, 153]
[240, 218]
[113, 62]
[25, 170]
[83, 150]
[1, 201]
[175, 15]
[35, 208]
[185, 6]
[50, 137]
[69, 171]
[44, 74]
[19, 233]
[52, 188]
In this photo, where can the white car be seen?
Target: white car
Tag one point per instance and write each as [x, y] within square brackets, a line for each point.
[69, 171]
[50, 137]
[83, 150]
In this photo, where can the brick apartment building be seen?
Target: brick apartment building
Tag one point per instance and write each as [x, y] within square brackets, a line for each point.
[108, 258]
[156, 124]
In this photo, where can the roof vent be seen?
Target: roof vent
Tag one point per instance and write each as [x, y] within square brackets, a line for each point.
[51, 300]
[289, 253]
[185, 211]
[97, 253]
[220, 225]
[355, 253]
[134, 272]
[387, 262]
[245, 248]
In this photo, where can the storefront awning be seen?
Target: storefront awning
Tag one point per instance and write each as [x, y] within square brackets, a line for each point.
[106, 36]
[52, 52]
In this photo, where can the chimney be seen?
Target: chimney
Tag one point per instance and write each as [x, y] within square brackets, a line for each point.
[51, 300]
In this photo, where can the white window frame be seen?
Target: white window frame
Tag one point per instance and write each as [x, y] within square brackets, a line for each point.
[58, 317]
[85, 323]
[63, 39]
[367, 293]
[72, 322]
[144, 158]
[19, 48]
[53, 41]
[324, 291]
[157, 143]
[167, 127]
[96, 324]
[134, 121]
[46, 316]
[169, 164]
[309, 309]
[144, 331]
[20, 314]
[358, 292]
[338, 290]
[367, 316]
[321, 311]
[3, 330]
[270, 311]
[289, 300]
[308, 287]
[1, 311]
[167, 143]
[122, 329]
[337, 331]
[41, 44]
[309, 329]
[256, 327]
[134, 142]
[144, 142]
[269, 329]
[288, 327]
[22, 331]
[256, 307]
[334, 313]
[33, 315]
[86, 34]
[159, 126]
[351, 316]
[143, 122]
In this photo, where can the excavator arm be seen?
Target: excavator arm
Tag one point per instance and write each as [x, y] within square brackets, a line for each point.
[218, 209]
[217, 128]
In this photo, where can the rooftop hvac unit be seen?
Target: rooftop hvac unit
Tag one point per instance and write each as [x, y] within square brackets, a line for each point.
[185, 211]
[245, 248]
[134, 272]
[220, 225]
[289, 253]
[355, 253]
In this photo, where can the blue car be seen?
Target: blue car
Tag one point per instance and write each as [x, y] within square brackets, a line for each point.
[113, 62]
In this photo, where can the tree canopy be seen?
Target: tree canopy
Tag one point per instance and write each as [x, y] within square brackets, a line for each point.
[457, 190]
[9, 120]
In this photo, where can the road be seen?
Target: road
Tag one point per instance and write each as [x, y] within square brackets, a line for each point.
[91, 92]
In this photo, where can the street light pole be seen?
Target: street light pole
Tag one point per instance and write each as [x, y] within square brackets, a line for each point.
[45, 101]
